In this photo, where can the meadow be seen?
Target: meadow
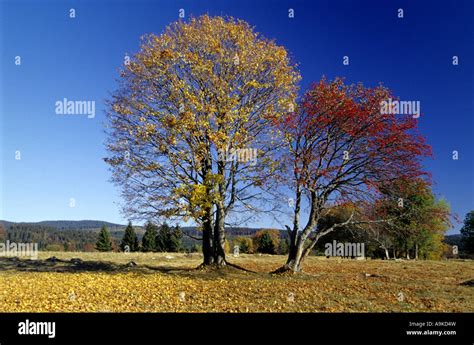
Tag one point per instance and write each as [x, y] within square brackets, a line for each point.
[170, 282]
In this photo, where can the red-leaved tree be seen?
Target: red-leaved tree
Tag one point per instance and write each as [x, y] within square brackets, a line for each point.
[341, 149]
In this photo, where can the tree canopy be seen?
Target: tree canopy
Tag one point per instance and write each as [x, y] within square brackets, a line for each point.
[190, 119]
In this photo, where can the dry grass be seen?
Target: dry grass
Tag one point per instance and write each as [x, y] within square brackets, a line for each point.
[170, 283]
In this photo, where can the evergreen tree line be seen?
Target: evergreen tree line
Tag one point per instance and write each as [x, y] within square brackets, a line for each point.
[48, 238]
[155, 239]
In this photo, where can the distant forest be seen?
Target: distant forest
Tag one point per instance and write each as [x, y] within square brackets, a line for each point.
[82, 235]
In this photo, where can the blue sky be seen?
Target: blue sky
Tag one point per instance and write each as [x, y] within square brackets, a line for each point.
[78, 59]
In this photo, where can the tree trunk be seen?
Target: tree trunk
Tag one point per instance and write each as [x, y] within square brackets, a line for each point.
[295, 256]
[207, 232]
[297, 251]
[416, 251]
[219, 236]
[207, 221]
[293, 263]
[219, 224]
[387, 254]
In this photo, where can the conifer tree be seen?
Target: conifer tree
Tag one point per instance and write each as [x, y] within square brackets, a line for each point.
[163, 238]
[149, 238]
[130, 239]
[175, 244]
[467, 232]
[104, 242]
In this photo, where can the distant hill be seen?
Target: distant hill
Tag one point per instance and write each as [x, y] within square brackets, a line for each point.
[82, 234]
[113, 227]
[68, 224]
[454, 240]
[230, 231]
[61, 234]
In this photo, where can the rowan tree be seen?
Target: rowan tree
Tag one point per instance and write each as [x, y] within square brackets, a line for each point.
[341, 149]
[189, 126]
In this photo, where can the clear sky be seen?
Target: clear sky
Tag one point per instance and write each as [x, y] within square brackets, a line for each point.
[78, 58]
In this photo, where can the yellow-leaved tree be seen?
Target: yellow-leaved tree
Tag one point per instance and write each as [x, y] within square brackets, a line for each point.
[189, 133]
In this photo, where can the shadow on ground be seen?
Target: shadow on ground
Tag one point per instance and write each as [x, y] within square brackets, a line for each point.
[75, 265]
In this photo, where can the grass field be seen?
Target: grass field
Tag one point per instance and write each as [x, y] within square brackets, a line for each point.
[106, 282]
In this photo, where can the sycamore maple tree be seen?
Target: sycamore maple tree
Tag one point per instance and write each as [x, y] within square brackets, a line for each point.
[340, 150]
[190, 98]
